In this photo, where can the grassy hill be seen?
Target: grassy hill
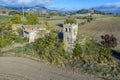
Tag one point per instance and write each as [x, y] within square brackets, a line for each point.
[2, 8]
[101, 26]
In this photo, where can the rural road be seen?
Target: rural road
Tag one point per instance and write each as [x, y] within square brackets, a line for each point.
[16, 68]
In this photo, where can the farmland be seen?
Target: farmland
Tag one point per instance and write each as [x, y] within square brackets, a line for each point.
[101, 26]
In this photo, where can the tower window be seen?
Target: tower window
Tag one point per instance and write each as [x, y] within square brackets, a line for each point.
[65, 29]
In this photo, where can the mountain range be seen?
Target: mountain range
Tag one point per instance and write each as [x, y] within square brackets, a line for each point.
[109, 8]
[105, 8]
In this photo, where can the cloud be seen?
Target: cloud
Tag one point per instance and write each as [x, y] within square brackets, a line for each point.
[25, 2]
[117, 4]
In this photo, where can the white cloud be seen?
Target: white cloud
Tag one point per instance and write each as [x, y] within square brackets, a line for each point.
[25, 2]
[117, 4]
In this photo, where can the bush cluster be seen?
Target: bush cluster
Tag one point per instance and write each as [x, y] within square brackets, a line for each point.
[109, 41]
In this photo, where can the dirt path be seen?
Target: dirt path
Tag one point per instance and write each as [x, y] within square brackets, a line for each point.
[14, 68]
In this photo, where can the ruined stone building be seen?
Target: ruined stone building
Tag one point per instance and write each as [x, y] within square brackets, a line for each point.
[70, 35]
[33, 32]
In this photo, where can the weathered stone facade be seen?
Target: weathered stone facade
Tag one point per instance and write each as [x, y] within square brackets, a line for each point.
[70, 35]
[33, 32]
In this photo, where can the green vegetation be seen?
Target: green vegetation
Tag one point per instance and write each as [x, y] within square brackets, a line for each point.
[48, 26]
[53, 14]
[18, 51]
[105, 72]
[91, 11]
[89, 18]
[91, 52]
[16, 19]
[92, 57]
[32, 18]
[88, 56]
[70, 20]
[20, 39]
[7, 35]
[15, 13]
[107, 18]
[3, 18]
[50, 48]
[52, 18]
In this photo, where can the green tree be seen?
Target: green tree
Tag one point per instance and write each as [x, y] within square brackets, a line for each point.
[32, 18]
[89, 18]
[16, 19]
[6, 34]
[70, 20]
[48, 26]
[53, 13]
[14, 13]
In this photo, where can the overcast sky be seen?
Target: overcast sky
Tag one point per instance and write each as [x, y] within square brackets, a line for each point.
[70, 4]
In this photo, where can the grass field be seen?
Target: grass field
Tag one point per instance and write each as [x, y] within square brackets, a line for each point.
[106, 18]
[53, 18]
[103, 25]
[3, 18]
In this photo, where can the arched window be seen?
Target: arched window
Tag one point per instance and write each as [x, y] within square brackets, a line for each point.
[65, 29]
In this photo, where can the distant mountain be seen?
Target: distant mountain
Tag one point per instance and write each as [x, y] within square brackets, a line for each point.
[2, 8]
[109, 8]
[38, 9]
[41, 9]
[20, 8]
[87, 11]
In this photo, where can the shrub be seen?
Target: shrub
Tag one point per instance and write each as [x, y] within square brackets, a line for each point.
[50, 48]
[32, 18]
[7, 34]
[109, 41]
[48, 26]
[16, 19]
[92, 52]
[70, 20]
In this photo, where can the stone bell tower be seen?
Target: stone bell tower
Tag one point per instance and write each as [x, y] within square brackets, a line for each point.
[70, 35]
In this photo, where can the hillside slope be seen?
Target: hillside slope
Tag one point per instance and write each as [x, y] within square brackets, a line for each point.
[101, 27]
